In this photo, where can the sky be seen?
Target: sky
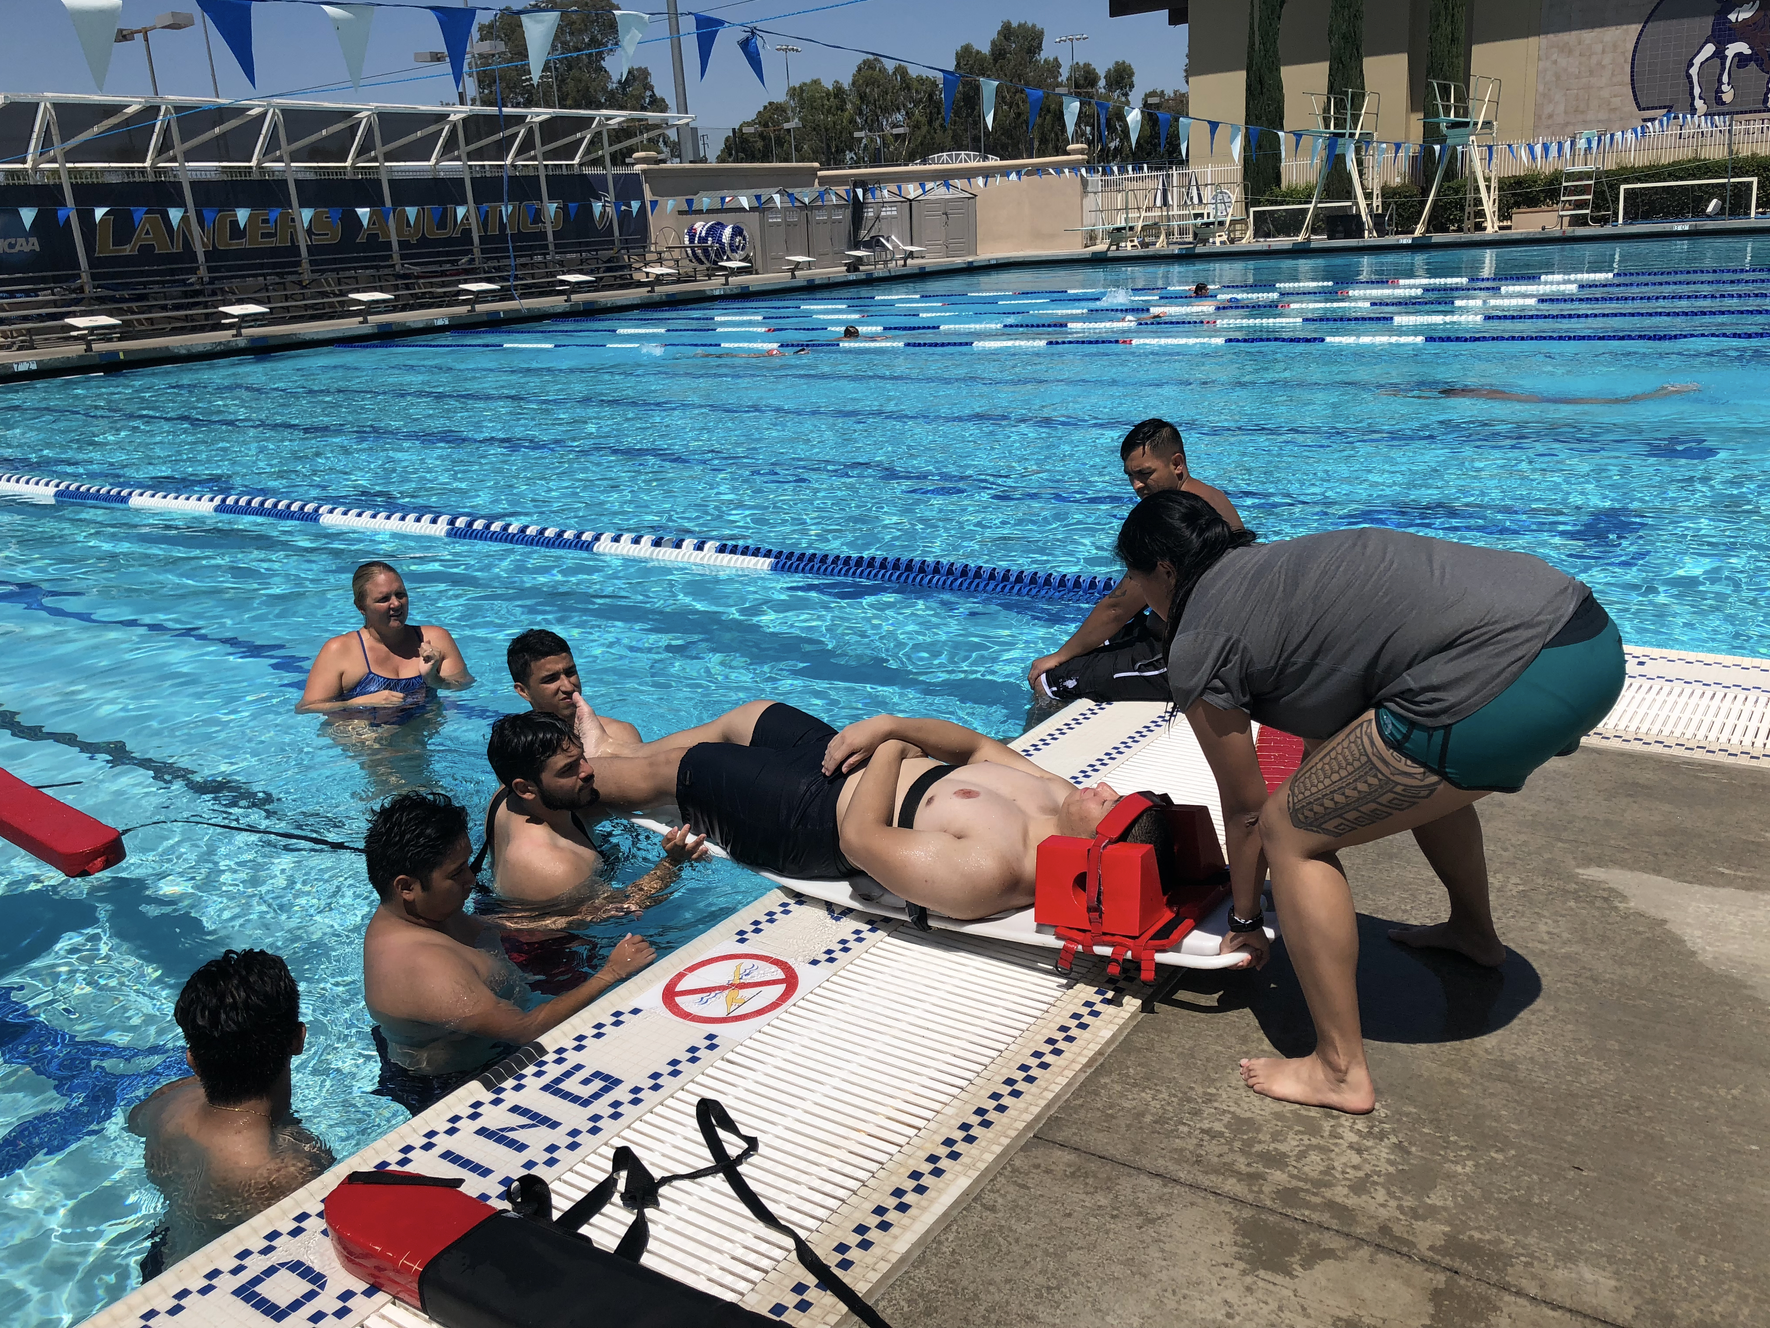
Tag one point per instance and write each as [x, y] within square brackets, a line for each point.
[296, 48]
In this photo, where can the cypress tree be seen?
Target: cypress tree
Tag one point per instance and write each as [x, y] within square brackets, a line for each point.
[1345, 71]
[1265, 97]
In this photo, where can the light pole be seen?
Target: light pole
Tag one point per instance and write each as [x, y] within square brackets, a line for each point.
[788, 51]
[173, 22]
[792, 138]
[1072, 39]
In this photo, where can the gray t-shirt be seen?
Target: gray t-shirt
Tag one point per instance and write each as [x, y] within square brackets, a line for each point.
[1308, 634]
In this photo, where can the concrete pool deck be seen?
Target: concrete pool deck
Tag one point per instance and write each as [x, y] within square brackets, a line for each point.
[1580, 1138]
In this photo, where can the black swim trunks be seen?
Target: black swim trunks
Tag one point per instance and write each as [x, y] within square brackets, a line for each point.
[769, 805]
[1133, 666]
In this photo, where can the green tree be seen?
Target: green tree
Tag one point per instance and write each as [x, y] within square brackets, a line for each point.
[1265, 96]
[1345, 72]
[579, 81]
[1167, 103]
[1447, 51]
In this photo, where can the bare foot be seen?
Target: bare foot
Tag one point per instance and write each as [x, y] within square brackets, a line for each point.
[1309, 1081]
[1484, 950]
[592, 736]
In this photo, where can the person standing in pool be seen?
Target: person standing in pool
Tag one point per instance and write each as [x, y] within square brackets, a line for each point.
[545, 674]
[1117, 654]
[446, 1000]
[224, 1144]
[387, 663]
[1421, 674]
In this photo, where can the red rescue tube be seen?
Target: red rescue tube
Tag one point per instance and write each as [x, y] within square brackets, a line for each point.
[47, 828]
[1280, 754]
[386, 1233]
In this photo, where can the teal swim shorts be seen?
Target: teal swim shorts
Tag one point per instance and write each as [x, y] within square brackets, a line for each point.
[1567, 689]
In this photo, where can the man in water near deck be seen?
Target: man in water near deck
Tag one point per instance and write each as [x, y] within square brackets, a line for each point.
[941, 816]
[545, 675]
[1117, 652]
[547, 871]
[224, 1145]
[446, 1000]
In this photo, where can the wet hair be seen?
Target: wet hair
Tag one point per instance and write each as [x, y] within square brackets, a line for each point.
[240, 1015]
[1182, 529]
[1151, 827]
[850, 331]
[1158, 436]
[410, 836]
[521, 744]
[359, 579]
[530, 648]
[1201, 289]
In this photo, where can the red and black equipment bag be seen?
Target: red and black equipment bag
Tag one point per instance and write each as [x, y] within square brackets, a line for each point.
[1106, 892]
[469, 1265]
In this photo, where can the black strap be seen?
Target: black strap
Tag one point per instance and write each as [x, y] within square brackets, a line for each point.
[248, 829]
[712, 1117]
[479, 859]
[906, 812]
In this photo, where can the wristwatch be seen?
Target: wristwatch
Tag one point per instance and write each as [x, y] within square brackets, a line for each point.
[1255, 923]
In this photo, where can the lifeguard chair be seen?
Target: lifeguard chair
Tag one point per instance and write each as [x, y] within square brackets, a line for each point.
[1348, 121]
[1468, 115]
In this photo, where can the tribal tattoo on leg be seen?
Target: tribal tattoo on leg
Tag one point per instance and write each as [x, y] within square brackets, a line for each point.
[1354, 781]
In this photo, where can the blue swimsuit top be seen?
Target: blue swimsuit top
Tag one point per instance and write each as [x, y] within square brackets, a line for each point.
[372, 682]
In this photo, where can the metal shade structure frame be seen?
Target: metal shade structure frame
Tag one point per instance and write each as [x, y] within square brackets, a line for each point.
[50, 138]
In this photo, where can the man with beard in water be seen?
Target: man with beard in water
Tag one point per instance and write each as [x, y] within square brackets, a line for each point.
[446, 1000]
[548, 873]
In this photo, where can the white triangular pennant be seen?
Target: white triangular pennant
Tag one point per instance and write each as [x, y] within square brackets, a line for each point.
[27, 215]
[352, 24]
[306, 218]
[631, 25]
[989, 101]
[95, 24]
[175, 215]
[537, 30]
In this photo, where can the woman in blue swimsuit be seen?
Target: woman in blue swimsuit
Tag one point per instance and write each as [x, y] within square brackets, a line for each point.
[386, 664]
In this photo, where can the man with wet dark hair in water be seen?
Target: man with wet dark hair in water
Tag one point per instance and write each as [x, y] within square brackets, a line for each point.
[546, 676]
[540, 846]
[224, 1145]
[446, 1000]
[1117, 654]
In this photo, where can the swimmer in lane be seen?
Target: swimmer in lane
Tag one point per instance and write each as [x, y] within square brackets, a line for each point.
[446, 1000]
[223, 1145]
[387, 663]
[773, 353]
[548, 872]
[941, 816]
[1497, 394]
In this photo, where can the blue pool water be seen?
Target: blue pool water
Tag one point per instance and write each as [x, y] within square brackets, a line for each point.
[156, 657]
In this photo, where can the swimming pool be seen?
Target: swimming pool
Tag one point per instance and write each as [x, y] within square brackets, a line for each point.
[156, 657]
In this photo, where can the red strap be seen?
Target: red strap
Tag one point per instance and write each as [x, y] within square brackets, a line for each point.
[1066, 957]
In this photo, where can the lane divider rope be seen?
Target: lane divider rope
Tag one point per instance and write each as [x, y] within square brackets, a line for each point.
[930, 573]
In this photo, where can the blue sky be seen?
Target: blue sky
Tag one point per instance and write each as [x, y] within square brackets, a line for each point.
[296, 48]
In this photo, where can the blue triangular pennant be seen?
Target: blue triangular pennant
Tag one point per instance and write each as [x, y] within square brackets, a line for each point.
[1100, 115]
[1034, 100]
[1213, 128]
[209, 215]
[706, 32]
[136, 214]
[571, 211]
[751, 45]
[62, 215]
[457, 30]
[335, 214]
[233, 20]
[949, 88]
[1162, 119]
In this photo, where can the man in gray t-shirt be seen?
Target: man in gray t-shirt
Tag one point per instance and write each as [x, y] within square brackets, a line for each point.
[1429, 629]
[1424, 675]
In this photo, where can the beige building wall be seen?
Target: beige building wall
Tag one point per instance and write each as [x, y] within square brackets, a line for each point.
[1386, 29]
[1505, 36]
[1582, 67]
[1217, 53]
[1303, 53]
[1013, 216]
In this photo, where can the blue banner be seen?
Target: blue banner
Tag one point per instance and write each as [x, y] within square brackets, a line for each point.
[233, 20]
[706, 32]
[949, 88]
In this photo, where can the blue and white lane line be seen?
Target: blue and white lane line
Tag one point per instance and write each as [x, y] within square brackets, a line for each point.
[930, 573]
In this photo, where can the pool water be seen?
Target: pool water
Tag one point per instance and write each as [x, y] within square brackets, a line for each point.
[155, 658]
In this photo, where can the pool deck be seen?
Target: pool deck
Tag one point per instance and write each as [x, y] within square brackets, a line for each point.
[72, 359]
[1579, 1139]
